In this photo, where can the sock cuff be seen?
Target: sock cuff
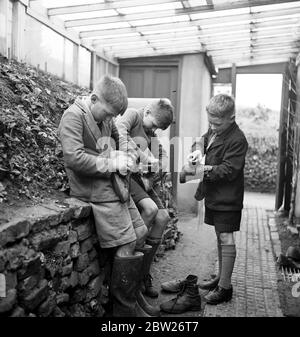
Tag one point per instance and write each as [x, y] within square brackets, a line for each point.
[228, 250]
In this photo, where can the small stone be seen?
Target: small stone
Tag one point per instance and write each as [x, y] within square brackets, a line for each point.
[7, 303]
[75, 250]
[67, 270]
[30, 267]
[11, 280]
[58, 313]
[74, 279]
[83, 232]
[36, 296]
[18, 312]
[72, 236]
[46, 308]
[93, 254]
[62, 248]
[62, 298]
[93, 288]
[86, 245]
[82, 262]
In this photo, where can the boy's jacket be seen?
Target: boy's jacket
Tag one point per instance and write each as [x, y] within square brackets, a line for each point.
[223, 187]
[85, 150]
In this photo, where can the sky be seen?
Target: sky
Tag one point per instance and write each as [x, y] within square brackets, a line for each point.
[265, 89]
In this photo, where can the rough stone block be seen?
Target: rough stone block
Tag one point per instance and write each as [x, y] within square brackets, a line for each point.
[62, 298]
[13, 230]
[11, 280]
[83, 278]
[82, 262]
[30, 267]
[86, 245]
[58, 313]
[72, 236]
[7, 303]
[75, 250]
[65, 284]
[93, 288]
[83, 232]
[74, 279]
[78, 296]
[46, 308]
[37, 296]
[18, 312]
[67, 270]
[93, 254]
[25, 286]
[46, 240]
[81, 209]
[62, 248]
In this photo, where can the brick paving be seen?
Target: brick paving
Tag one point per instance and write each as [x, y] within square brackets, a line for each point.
[254, 277]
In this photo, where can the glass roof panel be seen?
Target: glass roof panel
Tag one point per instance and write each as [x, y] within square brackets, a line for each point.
[161, 31]
[87, 15]
[218, 14]
[64, 3]
[150, 8]
[275, 6]
[111, 25]
[168, 19]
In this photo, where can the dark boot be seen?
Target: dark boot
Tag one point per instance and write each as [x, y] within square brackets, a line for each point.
[218, 295]
[145, 307]
[175, 286]
[187, 300]
[147, 278]
[211, 284]
[125, 282]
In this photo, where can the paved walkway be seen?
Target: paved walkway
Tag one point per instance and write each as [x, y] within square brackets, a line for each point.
[254, 277]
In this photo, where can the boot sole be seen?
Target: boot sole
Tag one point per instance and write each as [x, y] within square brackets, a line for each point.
[180, 311]
[215, 303]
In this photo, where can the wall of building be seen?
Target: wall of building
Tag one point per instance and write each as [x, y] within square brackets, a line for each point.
[25, 36]
[195, 92]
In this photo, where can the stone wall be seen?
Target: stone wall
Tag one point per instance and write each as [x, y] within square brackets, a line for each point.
[50, 262]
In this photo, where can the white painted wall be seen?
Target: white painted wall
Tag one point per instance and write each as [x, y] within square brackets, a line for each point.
[195, 93]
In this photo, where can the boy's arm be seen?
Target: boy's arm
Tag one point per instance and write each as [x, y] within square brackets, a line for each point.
[75, 156]
[232, 163]
[119, 138]
[124, 124]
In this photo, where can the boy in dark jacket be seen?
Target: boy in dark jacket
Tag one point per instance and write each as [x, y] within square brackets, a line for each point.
[89, 138]
[224, 147]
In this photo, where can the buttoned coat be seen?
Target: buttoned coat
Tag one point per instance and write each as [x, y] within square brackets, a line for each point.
[223, 186]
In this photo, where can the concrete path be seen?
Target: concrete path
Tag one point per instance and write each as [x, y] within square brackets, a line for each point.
[254, 278]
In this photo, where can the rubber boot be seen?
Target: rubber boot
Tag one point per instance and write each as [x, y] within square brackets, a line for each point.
[148, 309]
[187, 300]
[125, 283]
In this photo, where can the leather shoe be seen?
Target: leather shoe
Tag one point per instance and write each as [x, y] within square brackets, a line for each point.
[218, 295]
[175, 286]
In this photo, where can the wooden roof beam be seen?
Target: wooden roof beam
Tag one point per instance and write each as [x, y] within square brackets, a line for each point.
[104, 6]
[169, 13]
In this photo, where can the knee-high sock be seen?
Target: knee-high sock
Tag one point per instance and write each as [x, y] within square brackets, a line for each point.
[219, 258]
[228, 259]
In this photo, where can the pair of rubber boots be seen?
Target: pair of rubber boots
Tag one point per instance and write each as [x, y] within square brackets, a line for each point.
[187, 299]
[127, 278]
[291, 259]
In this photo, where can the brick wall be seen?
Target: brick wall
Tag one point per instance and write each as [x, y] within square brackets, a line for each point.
[50, 262]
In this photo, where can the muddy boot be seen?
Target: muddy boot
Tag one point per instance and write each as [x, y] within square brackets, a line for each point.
[125, 282]
[188, 299]
[175, 286]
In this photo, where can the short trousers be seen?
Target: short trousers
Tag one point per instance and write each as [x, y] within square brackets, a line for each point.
[138, 193]
[224, 221]
[115, 222]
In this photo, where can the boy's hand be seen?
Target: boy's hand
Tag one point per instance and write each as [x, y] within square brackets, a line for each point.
[194, 157]
[121, 162]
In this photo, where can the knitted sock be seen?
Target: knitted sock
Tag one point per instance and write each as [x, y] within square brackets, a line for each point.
[219, 258]
[228, 259]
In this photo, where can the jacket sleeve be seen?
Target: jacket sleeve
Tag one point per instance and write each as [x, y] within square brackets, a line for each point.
[232, 163]
[70, 132]
[124, 124]
[119, 138]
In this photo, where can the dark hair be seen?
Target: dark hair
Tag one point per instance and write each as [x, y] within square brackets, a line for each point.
[221, 106]
[163, 112]
[113, 91]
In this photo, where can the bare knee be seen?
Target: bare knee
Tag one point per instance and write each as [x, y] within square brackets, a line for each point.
[227, 238]
[126, 250]
[148, 209]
